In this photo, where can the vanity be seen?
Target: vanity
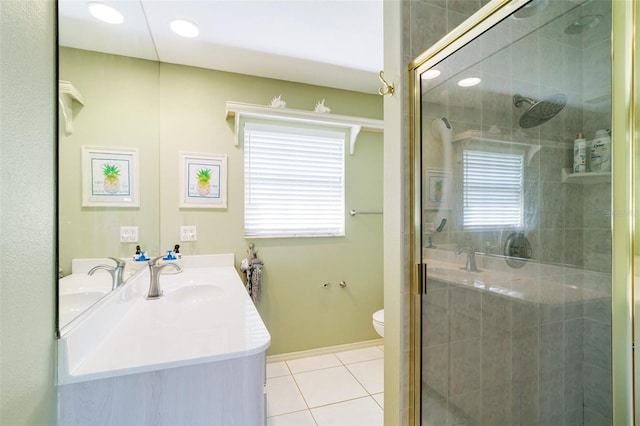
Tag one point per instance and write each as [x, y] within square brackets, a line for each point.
[196, 355]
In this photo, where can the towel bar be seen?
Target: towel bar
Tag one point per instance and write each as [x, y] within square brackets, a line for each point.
[353, 212]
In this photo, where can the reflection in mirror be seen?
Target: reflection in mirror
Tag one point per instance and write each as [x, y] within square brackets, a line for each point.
[117, 125]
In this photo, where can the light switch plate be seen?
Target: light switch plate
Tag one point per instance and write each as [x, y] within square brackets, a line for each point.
[128, 234]
[188, 233]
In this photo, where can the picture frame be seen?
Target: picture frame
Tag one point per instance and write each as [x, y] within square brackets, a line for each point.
[203, 180]
[110, 177]
[437, 189]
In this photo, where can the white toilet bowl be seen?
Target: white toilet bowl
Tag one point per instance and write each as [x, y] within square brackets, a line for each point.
[378, 322]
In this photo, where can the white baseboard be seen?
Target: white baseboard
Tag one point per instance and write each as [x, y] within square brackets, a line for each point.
[324, 351]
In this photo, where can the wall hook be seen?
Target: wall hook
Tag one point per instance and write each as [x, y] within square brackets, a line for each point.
[388, 88]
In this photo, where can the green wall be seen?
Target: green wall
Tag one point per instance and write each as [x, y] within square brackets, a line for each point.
[190, 105]
[121, 110]
[27, 212]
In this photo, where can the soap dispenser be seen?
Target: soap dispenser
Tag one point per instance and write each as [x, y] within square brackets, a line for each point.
[137, 254]
[174, 256]
[140, 255]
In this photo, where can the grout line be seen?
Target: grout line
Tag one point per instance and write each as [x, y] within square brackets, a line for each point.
[376, 401]
[289, 412]
[365, 360]
[356, 362]
[313, 369]
[345, 366]
[346, 400]
[298, 411]
[300, 391]
[313, 417]
[359, 382]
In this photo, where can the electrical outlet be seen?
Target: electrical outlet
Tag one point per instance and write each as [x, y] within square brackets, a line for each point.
[128, 234]
[188, 233]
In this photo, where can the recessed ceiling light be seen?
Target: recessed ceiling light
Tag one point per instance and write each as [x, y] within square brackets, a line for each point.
[184, 28]
[105, 13]
[431, 74]
[582, 24]
[468, 82]
[531, 9]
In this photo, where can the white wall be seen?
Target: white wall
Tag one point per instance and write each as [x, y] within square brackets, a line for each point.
[396, 368]
[27, 212]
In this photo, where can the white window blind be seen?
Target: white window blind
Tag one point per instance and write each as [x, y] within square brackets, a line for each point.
[294, 181]
[492, 189]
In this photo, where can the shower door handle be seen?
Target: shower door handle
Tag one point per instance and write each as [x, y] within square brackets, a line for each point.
[421, 273]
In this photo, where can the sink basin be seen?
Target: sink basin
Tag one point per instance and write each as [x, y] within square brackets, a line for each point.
[72, 304]
[78, 302]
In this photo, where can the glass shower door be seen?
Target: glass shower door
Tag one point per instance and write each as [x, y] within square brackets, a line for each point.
[514, 152]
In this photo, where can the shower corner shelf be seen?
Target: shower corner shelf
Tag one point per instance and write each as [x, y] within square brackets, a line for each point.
[585, 178]
[239, 110]
[67, 94]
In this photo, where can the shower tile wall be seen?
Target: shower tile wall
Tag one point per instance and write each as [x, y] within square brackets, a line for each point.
[556, 358]
[489, 359]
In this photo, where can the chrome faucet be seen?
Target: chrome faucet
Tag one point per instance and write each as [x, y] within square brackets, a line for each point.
[471, 258]
[117, 272]
[154, 272]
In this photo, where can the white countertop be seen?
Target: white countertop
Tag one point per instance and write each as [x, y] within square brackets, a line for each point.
[205, 315]
[533, 283]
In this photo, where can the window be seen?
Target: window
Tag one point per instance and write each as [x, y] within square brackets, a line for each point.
[293, 180]
[492, 189]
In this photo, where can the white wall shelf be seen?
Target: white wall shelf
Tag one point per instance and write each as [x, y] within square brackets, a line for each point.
[470, 136]
[355, 125]
[67, 94]
[585, 178]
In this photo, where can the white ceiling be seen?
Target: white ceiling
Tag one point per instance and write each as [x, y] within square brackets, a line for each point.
[334, 43]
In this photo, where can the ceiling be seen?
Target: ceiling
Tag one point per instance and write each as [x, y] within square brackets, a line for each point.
[333, 43]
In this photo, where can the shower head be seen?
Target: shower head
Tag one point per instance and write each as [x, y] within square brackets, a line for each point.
[539, 111]
[441, 129]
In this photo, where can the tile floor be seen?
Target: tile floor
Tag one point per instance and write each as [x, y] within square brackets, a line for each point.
[339, 389]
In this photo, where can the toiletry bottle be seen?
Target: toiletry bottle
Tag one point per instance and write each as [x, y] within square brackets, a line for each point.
[600, 152]
[579, 154]
[137, 254]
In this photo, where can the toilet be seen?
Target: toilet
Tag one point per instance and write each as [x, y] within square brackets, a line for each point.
[378, 322]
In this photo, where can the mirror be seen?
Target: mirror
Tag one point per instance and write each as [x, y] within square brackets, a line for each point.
[112, 106]
[173, 108]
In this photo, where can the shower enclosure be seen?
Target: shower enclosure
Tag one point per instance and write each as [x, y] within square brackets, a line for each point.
[512, 206]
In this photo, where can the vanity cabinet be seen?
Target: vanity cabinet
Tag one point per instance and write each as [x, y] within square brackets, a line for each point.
[195, 356]
[229, 392]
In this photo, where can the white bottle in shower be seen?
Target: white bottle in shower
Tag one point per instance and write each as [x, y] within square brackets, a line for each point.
[579, 154]
[600, 152]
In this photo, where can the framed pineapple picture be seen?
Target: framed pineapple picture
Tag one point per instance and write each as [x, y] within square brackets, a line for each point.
[110, 177]
[203, 180]
[437, 187]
